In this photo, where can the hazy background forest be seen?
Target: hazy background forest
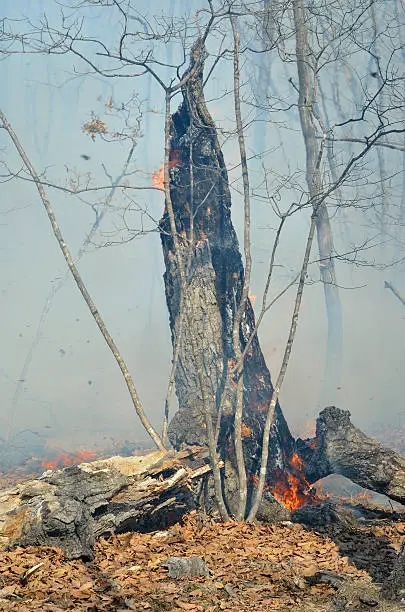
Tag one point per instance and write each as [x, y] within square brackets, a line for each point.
[63, 384]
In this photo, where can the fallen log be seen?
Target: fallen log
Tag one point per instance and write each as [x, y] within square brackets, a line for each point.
[341, 448]
[69, 508]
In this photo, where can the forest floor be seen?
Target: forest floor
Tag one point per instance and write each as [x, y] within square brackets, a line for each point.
[251, 567]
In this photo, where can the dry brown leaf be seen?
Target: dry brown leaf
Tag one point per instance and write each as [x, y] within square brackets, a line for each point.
[188, 606]
[196, 593]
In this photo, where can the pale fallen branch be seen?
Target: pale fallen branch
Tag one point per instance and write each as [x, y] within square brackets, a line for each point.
[29, 572]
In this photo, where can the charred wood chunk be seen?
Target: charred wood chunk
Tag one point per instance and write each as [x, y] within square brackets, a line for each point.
[325, 577]
[323, 514]
[70, 508]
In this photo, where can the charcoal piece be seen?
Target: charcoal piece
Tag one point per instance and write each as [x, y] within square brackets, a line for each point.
[325, 577]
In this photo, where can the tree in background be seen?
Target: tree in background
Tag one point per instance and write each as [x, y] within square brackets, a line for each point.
[347, 60]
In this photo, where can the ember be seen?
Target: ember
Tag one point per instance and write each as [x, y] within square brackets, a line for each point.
[158, 178]
[63, 459]
[291, 487]
[252, 298]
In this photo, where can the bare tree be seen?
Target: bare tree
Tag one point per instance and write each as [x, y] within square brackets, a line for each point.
[310, 125]
[337, 44]
[240, 311]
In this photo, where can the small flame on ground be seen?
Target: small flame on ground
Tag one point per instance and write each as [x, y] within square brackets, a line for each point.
[63, 459]
[362, 498]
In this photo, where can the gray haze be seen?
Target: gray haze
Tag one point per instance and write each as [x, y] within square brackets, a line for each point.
[74, 393]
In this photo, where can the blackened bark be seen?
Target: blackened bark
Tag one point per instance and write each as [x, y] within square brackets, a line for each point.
[202, 205]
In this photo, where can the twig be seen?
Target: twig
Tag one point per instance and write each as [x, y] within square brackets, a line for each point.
[388, 285]
[240, 311]
[29, 572]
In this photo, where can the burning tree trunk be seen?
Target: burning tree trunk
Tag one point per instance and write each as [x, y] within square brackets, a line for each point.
[201, 202]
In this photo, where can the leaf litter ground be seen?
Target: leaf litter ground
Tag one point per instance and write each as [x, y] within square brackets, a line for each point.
[252, 567]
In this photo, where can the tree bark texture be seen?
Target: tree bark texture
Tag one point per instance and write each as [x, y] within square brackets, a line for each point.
[202, 205]
[340, 448]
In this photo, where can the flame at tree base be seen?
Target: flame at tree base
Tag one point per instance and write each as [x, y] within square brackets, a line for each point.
[290, 487]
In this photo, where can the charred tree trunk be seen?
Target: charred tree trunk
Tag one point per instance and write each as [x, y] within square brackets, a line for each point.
[214, 273]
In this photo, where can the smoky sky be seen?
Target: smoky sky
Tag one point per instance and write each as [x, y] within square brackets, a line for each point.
[62, 380]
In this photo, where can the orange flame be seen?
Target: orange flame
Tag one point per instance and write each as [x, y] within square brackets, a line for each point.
[158, 176]
[363, 497]
[63, 459]
[291, 487]
[252, 298]
[246, 431]
[158, 179]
